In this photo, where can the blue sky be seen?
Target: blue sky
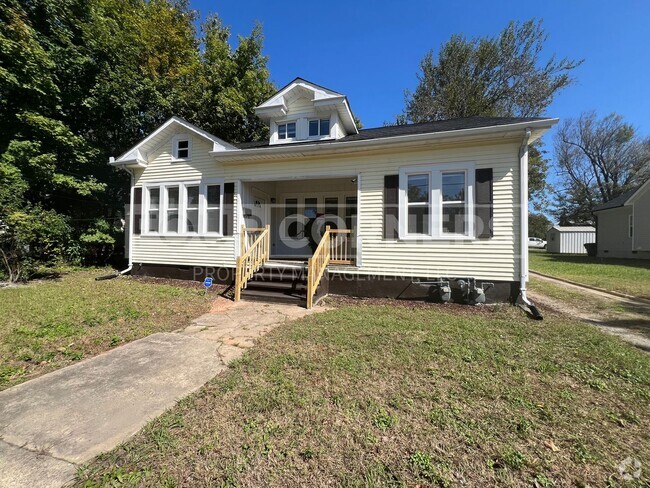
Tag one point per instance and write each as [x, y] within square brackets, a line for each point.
[370, 50]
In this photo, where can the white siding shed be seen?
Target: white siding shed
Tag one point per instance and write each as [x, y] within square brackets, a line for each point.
[569, 240]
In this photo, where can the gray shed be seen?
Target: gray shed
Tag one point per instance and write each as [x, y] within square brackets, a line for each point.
[569, 240]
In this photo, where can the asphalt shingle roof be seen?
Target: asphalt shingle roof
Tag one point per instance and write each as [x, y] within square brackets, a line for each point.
[619, 201]
[408, 129]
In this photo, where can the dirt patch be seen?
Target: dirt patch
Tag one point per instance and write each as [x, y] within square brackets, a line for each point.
[626, 318]
[456, 308]
[215, 289]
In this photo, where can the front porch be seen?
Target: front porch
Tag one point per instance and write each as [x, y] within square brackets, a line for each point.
[293, 231]
[298, 212]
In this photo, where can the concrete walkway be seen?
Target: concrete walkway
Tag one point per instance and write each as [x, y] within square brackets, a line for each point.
[52, 424]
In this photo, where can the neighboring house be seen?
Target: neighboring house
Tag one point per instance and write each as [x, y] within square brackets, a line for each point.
[623, 225]
[569, 239]
[434, 202]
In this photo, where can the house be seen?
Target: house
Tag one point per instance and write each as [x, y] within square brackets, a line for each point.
[419, 210]
[623, 225]
[569, 239]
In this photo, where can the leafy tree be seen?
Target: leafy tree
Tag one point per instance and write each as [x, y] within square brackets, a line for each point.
[538, 225]
[502, 76]
[598, 160]
[232, 84]
[82, 80]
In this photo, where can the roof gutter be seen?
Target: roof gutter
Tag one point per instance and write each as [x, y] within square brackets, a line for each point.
[523, 225]
[298, 150]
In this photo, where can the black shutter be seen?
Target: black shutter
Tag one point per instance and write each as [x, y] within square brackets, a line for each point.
[137, 211]
[228, 208]
[391, 206]
[483, 203]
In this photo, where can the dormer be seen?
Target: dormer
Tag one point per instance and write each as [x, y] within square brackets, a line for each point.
[303, 111]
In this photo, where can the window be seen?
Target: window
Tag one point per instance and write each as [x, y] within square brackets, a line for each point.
[154, 210]
[454, 206]
[184, 208]
[418, 204]
[630, 226]
[287, 131]
[319, 127]
[290, 214]
[172, 209]
[436, 202]
[311, 208]
[192, 209]
[331, 206]
[213, 208]
[181, 148]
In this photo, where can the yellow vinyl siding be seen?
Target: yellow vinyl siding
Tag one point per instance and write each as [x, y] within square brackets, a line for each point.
[489, 259]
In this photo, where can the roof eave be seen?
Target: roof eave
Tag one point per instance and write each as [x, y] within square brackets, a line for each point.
[129, 163]
[540, 126]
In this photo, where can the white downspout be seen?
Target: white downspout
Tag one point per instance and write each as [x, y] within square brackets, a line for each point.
[523, 226]
[131, 220]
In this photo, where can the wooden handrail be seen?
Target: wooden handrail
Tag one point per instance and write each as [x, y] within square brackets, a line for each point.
[317, 265]
[251, 259]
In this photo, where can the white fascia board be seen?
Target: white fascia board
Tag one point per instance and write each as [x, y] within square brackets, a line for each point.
[298, 150]
[129, 163]
[270, 111]
[136, 152]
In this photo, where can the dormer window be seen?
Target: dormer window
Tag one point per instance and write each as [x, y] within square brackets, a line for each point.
[181, 148]
[287, 131]
[319, 128]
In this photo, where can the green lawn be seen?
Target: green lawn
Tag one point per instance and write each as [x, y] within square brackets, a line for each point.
[52, 323]
[376, 395]
[623, 275]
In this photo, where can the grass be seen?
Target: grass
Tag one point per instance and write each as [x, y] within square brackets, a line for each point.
[371, 395]
[52, 323]
[623, 275]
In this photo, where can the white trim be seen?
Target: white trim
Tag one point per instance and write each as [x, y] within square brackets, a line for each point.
[203, 206]
[135, 157]
[286, 124]
[319, 136]
[174, 152]
[435, 172]
[163, 208]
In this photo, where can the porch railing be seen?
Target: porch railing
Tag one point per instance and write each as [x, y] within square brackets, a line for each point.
[317, 265]
[255, 249]
[340, 246]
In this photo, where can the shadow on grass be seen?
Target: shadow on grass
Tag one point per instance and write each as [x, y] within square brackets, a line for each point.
[634, 326]
[584, 259]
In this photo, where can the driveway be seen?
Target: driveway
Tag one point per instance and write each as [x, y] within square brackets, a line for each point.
[52, 424]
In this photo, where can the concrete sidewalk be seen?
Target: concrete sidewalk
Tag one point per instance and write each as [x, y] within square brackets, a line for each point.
[52, 424]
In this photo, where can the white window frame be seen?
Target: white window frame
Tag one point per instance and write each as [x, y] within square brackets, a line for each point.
[203, 211]
[147, 206]
[163, 208]
[435, 172]
[175, 140]
[286, 123]
[319, 135]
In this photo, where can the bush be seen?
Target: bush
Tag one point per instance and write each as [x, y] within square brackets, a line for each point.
[591, 249]
[32, 237]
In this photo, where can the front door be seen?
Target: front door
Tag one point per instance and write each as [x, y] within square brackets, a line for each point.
[256, 214]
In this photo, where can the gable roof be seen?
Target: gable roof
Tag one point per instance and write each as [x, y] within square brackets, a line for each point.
[322, 97]
[623, 199]
[409, 129]
[137, 155]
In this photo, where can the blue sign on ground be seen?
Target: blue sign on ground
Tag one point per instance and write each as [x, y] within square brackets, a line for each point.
[207, 282]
